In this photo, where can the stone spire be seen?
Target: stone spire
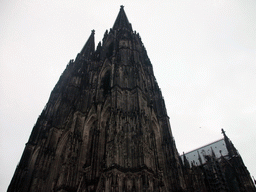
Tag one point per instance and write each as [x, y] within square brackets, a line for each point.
[89, 46]
[232, 151]
[122, 21]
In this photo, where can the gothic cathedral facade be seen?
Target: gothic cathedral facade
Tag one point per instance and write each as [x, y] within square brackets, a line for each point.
[105, 126]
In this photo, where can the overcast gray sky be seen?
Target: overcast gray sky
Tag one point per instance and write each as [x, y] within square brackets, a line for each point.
[203, 53]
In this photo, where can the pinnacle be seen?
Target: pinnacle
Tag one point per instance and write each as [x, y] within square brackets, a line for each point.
[89, 46]
[122, 20]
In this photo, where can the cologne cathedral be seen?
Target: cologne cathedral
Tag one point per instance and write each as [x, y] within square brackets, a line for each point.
[105, 129]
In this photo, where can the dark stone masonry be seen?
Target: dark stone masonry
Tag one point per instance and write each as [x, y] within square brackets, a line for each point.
[105, 128]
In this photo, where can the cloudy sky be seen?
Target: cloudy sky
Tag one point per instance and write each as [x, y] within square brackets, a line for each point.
[203, 53]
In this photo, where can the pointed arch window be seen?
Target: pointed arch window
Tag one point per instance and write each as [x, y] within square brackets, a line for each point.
[105, 83]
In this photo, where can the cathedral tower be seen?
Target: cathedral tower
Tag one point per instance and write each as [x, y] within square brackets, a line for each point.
[105, 126]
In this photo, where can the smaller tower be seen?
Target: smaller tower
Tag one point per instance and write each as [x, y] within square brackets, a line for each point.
[216, 167]
[236, 165]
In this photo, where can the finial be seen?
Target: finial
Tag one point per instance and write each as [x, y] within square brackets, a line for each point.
[222, 131]
[122, 7]
[93, 31]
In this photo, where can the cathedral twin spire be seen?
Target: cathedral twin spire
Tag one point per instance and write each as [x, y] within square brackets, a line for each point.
[121, 22]
[89, 46]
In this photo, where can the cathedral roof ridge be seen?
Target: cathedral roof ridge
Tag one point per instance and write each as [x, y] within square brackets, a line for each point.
[198, 148]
